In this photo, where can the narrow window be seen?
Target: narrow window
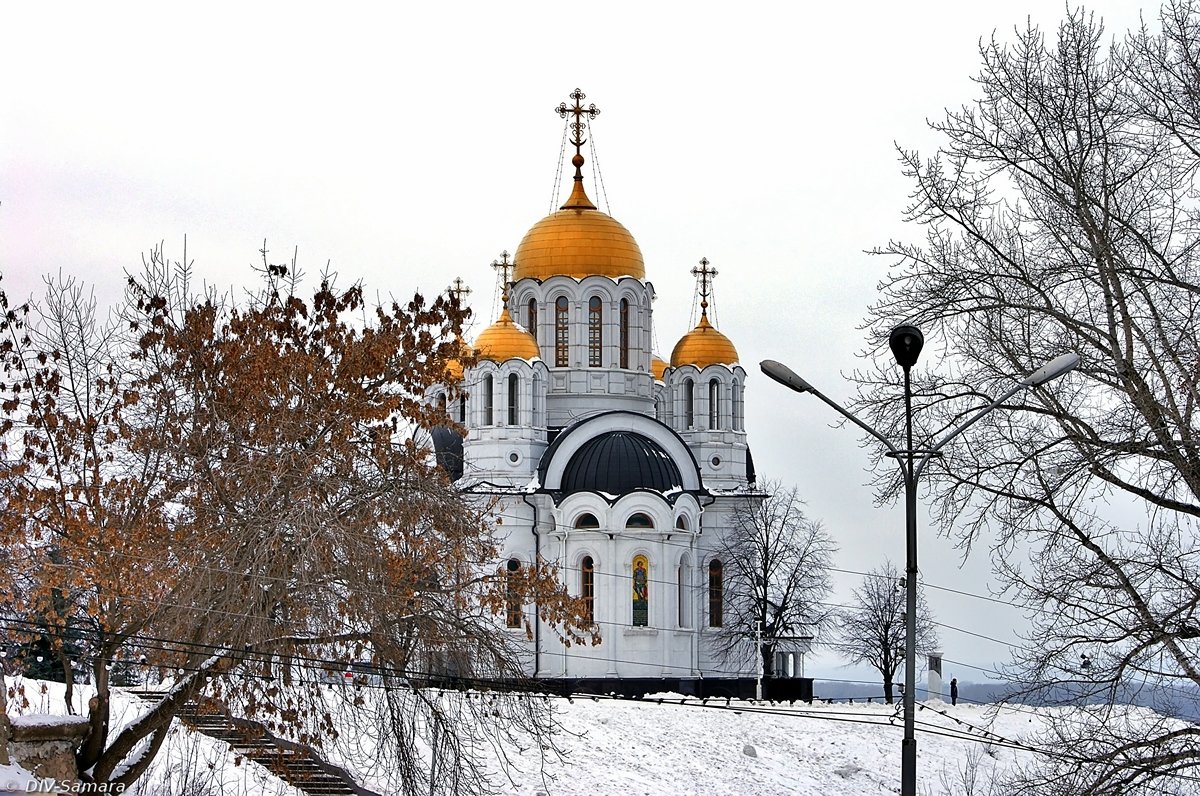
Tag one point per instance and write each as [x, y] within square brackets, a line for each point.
[684, 591]
[561, 336]
[512, 399]
[714, 403]
[737, 406]
[641, 591]
[462, 409]
[595, 319]
[531, 317]
[716, 594]
[689, 404]
[587, 588]
[512, 607]
[681, 523]
[489, 396]
[625, 333]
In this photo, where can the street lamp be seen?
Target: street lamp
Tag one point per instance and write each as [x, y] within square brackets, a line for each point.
[906, 343]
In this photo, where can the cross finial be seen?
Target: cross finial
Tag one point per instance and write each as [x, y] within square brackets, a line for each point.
[503, 267]
[705, 275]
[578, 126]
[458, 290]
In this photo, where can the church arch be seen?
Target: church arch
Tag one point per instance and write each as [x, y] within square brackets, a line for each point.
[531, 323]
[624, 333]
[587, 521]
[489, 399]
[714, 404]
[640, 520]
[689, 403]
[514, 389]
[595, 331]
[587, 587]
[683, 596]
[562, 332]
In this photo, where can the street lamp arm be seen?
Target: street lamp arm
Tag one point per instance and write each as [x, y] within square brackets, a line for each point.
[963, 426]
[781, 373]
[1048, 372]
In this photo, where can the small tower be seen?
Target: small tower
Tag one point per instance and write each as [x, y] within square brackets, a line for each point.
[705, 390]
[506, 409]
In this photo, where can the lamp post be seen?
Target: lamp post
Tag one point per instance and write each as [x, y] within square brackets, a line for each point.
[906, 343]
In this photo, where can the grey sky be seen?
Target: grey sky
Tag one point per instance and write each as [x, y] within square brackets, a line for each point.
[410, 145]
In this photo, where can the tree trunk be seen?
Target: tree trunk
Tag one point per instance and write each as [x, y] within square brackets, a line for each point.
[887, 690]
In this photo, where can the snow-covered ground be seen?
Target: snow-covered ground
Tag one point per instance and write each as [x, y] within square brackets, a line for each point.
[667, 745]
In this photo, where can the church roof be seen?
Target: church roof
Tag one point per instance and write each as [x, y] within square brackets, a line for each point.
[578, 241]
[506, 339]
[704, 346]
[619, 462]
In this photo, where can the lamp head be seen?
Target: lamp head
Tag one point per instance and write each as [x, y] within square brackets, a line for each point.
[781, 373]
[1052, 370]
[906, 343]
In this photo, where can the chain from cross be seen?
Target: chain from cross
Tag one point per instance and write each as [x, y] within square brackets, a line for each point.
[503, 267]
[591, 111]
[458, 289]
[705, 275]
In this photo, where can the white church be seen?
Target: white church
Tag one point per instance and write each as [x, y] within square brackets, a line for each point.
[618, 466]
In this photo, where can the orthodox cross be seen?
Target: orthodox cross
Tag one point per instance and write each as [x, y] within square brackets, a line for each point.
[459, 290]
[705, 275]
[591, 111]
[503, 267]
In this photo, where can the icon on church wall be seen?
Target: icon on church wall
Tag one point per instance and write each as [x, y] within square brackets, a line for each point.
[641, 591]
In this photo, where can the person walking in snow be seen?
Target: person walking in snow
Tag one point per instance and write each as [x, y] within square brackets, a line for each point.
[953, 690]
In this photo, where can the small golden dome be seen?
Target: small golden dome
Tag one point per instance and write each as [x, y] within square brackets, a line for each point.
[578, 241]
[454, 367]
[704, 346]
[506, 339]
[658, 366]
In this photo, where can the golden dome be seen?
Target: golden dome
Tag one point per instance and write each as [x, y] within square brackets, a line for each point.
[577, 241]
[506, 339]
[658, 366]
[454, 367]
[704, 346]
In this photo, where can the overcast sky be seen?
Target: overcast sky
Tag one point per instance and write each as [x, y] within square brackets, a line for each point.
[410, 146]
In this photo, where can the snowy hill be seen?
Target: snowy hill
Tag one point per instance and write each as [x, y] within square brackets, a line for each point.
[669, 744]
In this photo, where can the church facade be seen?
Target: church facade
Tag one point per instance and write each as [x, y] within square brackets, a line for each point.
[621, 468]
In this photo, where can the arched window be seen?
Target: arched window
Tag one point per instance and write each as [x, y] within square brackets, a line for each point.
[512, 603]
[714, 403]
[625, 333]
[716, 594]
[641, 591]
[587, 521]
[489, 397]
[531, 317]
[442, 401]
[738, 421]
[587, 588]
[684, 596]
[681, 523]
[562, 337]
[462, 409]
[595, 324]
[512, 399]
[689, 404]
[639, 520]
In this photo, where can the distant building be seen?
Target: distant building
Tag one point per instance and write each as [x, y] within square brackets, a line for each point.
[617, 465]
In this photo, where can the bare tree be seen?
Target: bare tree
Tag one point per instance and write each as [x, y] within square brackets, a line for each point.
[872, 629]
[1062, 213]
[235, 492]
[776, 565]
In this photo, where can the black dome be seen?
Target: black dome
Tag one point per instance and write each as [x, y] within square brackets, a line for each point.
[619, 462]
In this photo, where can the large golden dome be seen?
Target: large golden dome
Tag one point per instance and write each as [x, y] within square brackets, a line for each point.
[506, 339]
[578, 241]
[704, 346]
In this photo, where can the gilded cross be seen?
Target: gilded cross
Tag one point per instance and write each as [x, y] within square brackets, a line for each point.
[705, 275]
[578, 111]
[503, 267]
[459, 290]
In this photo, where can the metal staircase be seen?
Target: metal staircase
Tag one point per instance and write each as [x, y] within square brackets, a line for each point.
[296, 764]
